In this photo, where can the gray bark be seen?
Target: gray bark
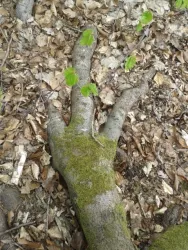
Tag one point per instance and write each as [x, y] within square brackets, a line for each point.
[24, 9]
[88, 168]
[123, 105]
[82, 107]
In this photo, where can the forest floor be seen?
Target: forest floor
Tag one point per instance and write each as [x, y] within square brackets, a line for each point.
[151, 165]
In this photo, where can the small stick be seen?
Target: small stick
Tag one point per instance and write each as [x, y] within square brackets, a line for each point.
[47, 215]
[17, 227]
[141, 39]
[71, 28]
[6, 54]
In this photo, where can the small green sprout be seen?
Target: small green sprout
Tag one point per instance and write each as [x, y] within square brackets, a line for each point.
[130, 62]
[71, 76]
[89, 88]
[145, 19]
[87, 38]
[181, 4]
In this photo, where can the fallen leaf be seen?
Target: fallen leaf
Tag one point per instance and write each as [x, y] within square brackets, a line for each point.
[110, 62]
[167, 189]
[107, 96]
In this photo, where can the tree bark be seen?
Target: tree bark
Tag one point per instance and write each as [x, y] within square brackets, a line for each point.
[24, 9]
[86, 166]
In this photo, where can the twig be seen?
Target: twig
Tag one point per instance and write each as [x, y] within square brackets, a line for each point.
[140, 205]
[139, 146]
[3, 33]
[141, 39]
[6, 54]
[16, 69]
[47, 215]
[18, 245]
[17, 227]
[71, 28]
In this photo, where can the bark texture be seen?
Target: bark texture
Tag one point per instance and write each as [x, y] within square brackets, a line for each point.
[24, 9]
[123, 105]
[86, 166]
[9, 201]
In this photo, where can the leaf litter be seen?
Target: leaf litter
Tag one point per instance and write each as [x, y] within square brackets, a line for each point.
[152, 158]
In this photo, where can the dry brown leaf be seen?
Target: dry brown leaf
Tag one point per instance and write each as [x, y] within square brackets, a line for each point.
[12, 124]
[107, 96]
[69, 13]
[53, 8]
[54, 233]
[167, 189]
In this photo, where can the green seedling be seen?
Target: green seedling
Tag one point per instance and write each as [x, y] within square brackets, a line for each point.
[87, 38]
[181, 4]
[71, 77]
[145, 19]
[130, 62]
[88, 89]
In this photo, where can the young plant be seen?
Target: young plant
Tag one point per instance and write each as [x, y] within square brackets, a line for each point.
[71, 77]
[145, 19]
[130, 62]
[88, 89]
[87, 38]
[181, 4]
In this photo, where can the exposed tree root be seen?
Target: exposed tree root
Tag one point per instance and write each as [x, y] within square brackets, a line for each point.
[24, 9]
[123, 105]
[86, 166]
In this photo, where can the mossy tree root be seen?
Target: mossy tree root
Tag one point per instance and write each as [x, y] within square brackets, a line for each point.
[86, 166]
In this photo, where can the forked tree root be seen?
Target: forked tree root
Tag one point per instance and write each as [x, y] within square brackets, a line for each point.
[86, 166]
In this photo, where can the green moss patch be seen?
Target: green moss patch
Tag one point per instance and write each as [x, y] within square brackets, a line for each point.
[175, 238]
[89, 169]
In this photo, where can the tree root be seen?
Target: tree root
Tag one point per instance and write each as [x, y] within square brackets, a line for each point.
[24, 9]
[123, 105]
[88, 168]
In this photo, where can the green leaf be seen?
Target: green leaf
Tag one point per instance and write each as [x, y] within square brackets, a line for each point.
[185, 4]
[87, 38]
[71, 77]
[89, 88]
[178, 3]
[146, 17]
[139, 27]
[130, 62]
